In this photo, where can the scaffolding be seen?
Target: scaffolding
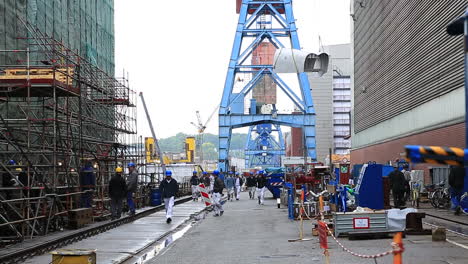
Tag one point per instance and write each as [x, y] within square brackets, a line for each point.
[60, 116]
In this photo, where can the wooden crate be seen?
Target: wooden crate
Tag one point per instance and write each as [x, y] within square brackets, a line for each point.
[78, 218]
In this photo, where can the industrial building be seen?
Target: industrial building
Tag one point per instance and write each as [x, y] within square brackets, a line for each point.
[408, 78]
[332, 101]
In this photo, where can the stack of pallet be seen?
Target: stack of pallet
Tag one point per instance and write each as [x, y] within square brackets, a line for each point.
[78, 218]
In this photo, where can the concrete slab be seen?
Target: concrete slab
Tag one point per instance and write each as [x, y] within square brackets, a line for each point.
[123, 242]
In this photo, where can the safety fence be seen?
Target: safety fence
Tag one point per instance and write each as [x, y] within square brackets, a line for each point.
[396, 246]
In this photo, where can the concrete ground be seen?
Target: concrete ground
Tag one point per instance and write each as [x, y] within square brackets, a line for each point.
[122, 243]
[252, 233]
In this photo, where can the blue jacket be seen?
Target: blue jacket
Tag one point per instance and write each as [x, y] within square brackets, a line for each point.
[230, 181]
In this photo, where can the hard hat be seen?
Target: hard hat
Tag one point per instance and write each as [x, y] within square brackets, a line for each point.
[131, 164]
[205, 173]
[216, 172]
[19, 169]
[11, 162]
[195, 172]
[168, 173]
[118, 170]
[237, 173]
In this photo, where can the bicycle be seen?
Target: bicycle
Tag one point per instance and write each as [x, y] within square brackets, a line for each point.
[442, 197]
[438, 195]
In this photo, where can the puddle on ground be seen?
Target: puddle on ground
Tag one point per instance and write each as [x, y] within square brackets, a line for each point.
[159, 246]
[280, 256]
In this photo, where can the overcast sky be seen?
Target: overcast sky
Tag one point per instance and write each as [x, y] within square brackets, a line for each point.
[177, 54]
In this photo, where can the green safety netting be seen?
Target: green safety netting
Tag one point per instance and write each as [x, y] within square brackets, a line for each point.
[86, 26]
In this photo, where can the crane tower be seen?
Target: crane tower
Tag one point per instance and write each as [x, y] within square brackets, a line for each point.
[263, 26]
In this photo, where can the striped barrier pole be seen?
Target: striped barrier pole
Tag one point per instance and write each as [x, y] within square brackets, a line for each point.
[204, 194]
[437, 155]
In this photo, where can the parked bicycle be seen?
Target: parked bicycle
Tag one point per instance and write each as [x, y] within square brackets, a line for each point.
[439, 195]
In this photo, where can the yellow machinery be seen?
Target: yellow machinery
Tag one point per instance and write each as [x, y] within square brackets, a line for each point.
[74, 256]
[151, 153]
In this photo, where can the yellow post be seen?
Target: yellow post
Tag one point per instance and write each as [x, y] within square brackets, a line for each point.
[398, 253]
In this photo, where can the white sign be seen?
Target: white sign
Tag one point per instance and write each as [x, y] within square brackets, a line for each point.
[361, 223]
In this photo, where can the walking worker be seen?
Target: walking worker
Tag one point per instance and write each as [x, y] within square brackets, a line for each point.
[456, 180]
[261, 186]
[194, 181]
[407, 173]
[397, 185]
[229, 183]
[117, 192]
[218, 187]
[132, 184]
[168, 188]
[251, 185]
[238, 184]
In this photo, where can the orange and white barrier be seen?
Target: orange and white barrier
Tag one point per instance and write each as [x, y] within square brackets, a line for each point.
[204, 194]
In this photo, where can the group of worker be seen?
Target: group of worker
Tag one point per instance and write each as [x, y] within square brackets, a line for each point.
[257, 184]
[119, 189]
[233, 182]
[213, 184]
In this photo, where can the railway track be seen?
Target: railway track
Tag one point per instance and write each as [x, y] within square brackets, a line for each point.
[18, 255]
[447, 219]
[448, 224]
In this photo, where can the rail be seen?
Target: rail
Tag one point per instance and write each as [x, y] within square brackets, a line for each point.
[18, 255]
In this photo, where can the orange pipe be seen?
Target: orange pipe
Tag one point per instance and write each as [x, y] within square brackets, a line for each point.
[398, 254]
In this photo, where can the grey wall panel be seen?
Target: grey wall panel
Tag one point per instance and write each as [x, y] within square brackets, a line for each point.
[322, 94]
[403, 56]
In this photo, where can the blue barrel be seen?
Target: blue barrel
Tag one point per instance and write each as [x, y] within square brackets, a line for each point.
[155, 197]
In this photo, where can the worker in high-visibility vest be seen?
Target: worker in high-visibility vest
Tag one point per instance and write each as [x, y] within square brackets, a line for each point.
[168, 188]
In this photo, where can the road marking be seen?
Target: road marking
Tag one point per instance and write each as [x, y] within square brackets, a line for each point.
[457, 244]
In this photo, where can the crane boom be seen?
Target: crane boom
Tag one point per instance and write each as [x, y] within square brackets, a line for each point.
[161, 158]
[211, 116]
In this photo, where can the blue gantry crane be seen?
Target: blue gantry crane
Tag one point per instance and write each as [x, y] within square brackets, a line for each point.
[263, 147]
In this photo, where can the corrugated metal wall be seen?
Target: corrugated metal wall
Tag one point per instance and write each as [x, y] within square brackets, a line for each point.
[403, 56]
[86, 26]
